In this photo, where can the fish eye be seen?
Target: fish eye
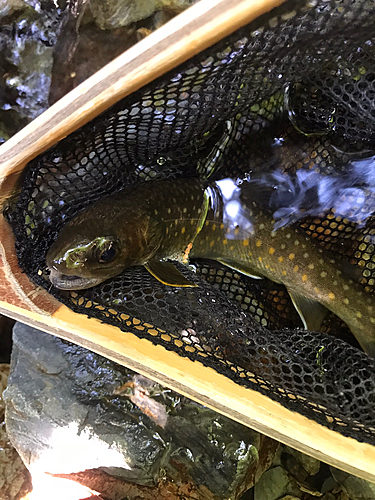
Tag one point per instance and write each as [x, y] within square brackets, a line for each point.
[106, 253]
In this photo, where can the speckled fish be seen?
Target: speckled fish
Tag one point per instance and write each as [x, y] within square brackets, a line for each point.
[161, 221]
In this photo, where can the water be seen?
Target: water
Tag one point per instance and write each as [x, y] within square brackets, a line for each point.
[28, 33]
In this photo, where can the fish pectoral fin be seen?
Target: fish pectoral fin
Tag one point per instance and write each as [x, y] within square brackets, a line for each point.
[167, 273]
[241, 269]
[311, 312]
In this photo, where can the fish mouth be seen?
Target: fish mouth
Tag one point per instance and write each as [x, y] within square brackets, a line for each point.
[71, 282]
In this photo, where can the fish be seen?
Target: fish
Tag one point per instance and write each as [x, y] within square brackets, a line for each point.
[158, 222]
[127, 229]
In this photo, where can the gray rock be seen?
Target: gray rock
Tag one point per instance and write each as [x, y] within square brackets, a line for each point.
[355, 487]
[70, 410]
[336, 494]
[310, 464]
[328, 496]
[7, 7]
[29, 31]
[274, 484]
[111, 14]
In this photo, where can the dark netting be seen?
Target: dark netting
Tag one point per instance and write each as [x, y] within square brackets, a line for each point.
[288, 98]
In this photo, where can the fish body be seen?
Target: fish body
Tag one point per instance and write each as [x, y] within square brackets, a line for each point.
[238, 233]
[173, 220]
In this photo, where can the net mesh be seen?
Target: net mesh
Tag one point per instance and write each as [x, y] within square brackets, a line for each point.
[303, 74]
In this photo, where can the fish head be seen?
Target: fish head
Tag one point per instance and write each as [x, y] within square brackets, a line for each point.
[89, 251]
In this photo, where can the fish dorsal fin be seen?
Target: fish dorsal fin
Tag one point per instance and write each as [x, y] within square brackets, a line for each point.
[167, 273]
[241, 268]
[311, 312]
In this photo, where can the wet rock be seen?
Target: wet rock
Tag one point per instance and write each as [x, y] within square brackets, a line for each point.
[48, 48]
[7, 7]
[329, 484]
[110, 14]
[329, 496]
[28, 32]
[336, 494]
[355, 487]
[311, 465]
[121, 431]
[308, 472]
[61, 78]
[84, 48]
[15, 480]
[93, 50]
[274, 484]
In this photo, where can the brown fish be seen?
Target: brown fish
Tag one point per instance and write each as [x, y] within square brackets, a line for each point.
[161, 221]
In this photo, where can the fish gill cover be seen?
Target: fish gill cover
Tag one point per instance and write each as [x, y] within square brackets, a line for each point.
[286, 102]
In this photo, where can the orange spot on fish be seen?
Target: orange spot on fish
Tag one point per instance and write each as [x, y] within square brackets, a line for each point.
[185, 258]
